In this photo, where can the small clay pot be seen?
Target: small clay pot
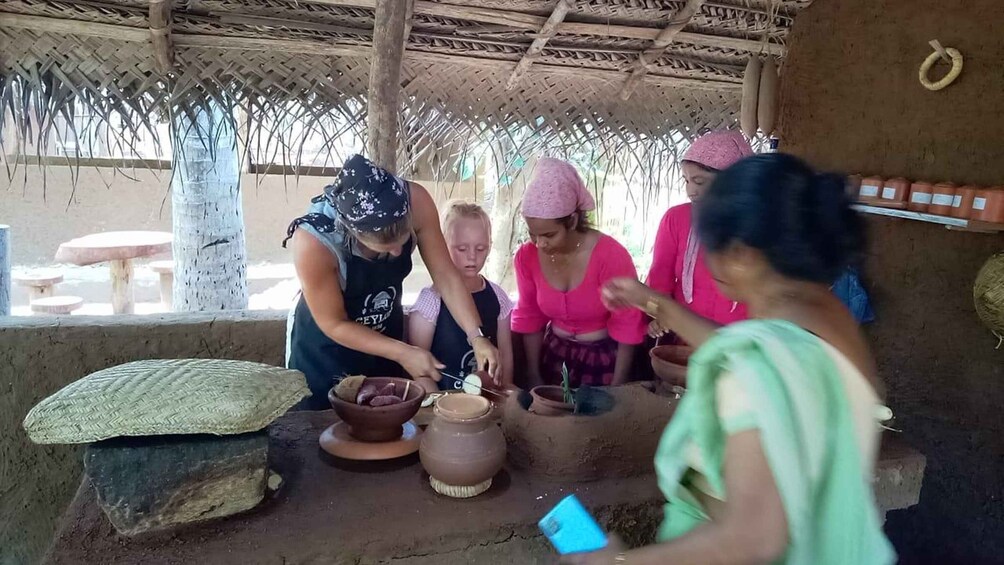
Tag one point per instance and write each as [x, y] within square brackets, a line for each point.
[988, 205]
[549, 400]
[894, 193]
[463, 448]
[920, 196]
[870, 189]
[962, 207]
[379, 423]
[943, 199]
[670, 363]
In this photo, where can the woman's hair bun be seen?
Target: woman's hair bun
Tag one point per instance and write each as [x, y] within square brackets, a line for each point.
[801, 220]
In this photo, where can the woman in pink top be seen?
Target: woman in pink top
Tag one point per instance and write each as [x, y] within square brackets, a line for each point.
[559, 274]
[678, 267]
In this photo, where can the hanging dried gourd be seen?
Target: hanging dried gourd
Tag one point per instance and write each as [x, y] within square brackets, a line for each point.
[751, 91]
[767, 97]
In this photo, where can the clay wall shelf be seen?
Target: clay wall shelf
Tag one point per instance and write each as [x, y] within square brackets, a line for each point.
[960, 224]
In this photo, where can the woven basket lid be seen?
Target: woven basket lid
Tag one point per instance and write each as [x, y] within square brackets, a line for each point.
[167, 396]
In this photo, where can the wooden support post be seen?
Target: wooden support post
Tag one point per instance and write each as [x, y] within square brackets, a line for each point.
[160, 35]
[122, 293]
[659, 46]
[389, 24]
[5, 281]
[548, 31]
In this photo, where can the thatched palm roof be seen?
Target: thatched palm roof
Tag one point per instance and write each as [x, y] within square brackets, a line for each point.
[309, 58]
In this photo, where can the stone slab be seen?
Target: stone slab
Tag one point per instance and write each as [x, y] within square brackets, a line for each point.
[152, 483]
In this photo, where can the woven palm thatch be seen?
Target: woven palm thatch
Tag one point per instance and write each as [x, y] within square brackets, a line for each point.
[988, 294]
[167, 396]
[309, 60]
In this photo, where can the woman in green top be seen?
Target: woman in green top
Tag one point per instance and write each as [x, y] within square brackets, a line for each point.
[770, 454]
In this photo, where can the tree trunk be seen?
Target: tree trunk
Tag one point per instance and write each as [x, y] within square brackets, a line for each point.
[210, 257]
[505, 183]
[5, 279]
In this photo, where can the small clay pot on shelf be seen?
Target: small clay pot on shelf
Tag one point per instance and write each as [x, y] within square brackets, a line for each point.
[921, 194]
[988, 205]
[942, 199]
[870, 189]
[962, 207]
[895, 193]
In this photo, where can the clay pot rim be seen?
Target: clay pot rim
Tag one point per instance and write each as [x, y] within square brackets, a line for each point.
[534, 392]
[415, 388]
[484, 407]
[675, 348]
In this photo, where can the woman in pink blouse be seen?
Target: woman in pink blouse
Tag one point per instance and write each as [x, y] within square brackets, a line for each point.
[559, 274]
[678, 267]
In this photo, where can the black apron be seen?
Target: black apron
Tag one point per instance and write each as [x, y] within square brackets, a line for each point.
[449, 343]
[372, 297]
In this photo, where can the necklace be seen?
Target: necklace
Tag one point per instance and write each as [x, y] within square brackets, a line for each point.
[565, 256]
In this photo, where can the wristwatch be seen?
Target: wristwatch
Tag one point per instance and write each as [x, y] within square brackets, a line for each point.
[480, 333]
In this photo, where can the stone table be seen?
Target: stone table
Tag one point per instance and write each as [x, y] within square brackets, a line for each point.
[331, 511]
[118, 249]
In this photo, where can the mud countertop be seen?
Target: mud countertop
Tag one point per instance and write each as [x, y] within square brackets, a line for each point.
[330, 511]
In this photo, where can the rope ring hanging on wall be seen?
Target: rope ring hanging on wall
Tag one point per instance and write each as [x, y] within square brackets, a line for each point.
[953, 74]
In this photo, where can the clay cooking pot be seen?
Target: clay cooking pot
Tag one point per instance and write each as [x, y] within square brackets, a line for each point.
[463, 448]
[379, 423]
[670, 363]
[549, 400]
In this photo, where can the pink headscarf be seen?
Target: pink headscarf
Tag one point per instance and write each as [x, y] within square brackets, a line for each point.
[718, 150]
[555, 191]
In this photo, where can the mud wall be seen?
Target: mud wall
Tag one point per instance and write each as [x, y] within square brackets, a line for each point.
[851, 101]
[38, 356]
[44, 207]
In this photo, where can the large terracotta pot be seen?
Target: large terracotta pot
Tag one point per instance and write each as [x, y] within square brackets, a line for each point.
[380, 423]
[463, 448]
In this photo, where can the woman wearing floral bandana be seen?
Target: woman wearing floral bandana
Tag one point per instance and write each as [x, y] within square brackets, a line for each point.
[352, 252]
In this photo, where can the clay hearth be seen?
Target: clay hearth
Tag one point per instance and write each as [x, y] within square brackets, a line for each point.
[618, 443]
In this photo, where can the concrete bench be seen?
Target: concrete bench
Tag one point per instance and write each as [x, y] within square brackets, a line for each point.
[40, 285]
[166, 271]
[57, 305]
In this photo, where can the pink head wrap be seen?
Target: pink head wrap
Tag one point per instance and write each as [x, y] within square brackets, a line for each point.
[719, 149]
[555, 191]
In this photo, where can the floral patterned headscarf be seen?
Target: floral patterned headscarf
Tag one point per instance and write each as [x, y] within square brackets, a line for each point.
[367, 197]
[364, 199]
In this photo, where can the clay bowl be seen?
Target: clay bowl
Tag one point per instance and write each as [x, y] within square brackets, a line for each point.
[549, 400]
[670, 363]
[380, 423]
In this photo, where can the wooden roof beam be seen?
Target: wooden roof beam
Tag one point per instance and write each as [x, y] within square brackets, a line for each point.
[519, 20]
[649, 56]
[547, 31]
[160, 35]
[45, 24]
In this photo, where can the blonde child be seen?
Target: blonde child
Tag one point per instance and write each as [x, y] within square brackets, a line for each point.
[467, 230]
